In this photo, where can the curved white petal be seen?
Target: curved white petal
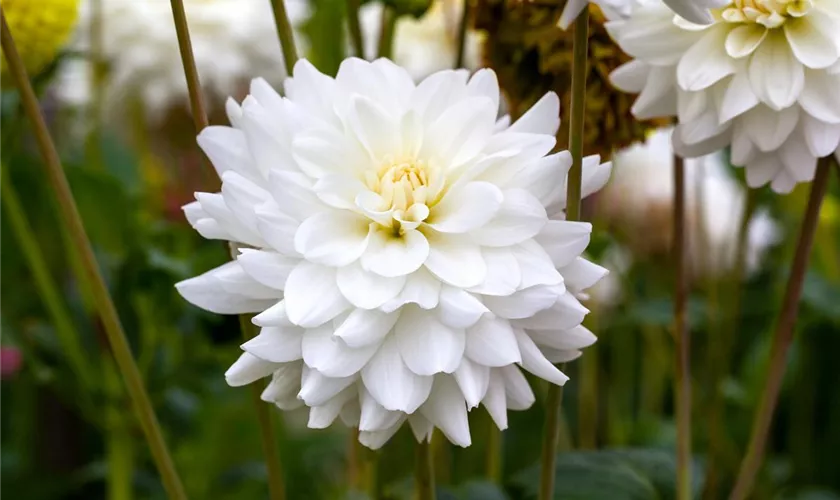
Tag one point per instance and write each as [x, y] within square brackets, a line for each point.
[312, 296]
[428, 346]
[491, 342]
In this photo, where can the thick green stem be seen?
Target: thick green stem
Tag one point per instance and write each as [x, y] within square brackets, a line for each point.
[286, 35]
[682, 379]
[355, 29]
[494, 454]
[67, 335]
[120, 446]
[463, 29]
[573, 194]
[276, 489]
[424, 475]
[386, 32]
[108, 313]
[783, 337]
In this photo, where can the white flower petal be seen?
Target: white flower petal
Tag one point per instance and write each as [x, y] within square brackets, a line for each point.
[269, 268]
[329, 354]
[706, 62]
[273, 316]
[564, 240]
[495, 400]
[428, 346]
[333, 238]
[518, 392]
[447, 410]
[278, 344]
[526, 302]
[491, 342]
[284, 386]
[466, 208]
[534, 361]
[567, 312]
[776, 75]
[212, 291]
[365, 289]
[574, 338]
[374, 417]
[321, 417]
[459, 309]
[535, 265]
[542, 118]
[363, 327]
[822, 138]
[316, 389]
[503, 274]
[248, 368]
[227, 149]
[582, 274]
[520, 217]
[421, 288]
[421, 427]
[455, 260]
[377, 439]
[392, 255]
[276, 228]
[813, 40]
[312, 296]
[391, 383]
[473, 379]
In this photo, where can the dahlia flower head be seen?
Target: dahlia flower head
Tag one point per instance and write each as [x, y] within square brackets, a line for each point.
[231, 40]
[406, 252]
[695, 11]
[763, 79]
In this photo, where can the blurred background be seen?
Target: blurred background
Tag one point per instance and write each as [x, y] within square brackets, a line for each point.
[111, 85]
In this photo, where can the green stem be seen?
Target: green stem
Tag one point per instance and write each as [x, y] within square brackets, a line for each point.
[120, 458]
[573, 195]
[277, 490]
[285, 34]
[494, 454]
[463, 29]
[386, 32]
[783, 337]
[355, 28]
[721, 347]
[66, 332]
[97, 85]
[682, 378]
[424, 473]
[108, 313]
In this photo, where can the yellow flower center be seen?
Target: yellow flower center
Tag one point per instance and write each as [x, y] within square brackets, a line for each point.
[402, 183]
[768, 13]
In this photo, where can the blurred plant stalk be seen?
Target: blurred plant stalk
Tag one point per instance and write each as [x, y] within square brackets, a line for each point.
[554, 399]
[276, 486]
[71, 219]
[784, 335]
[424, 476]
[463, 28]
[387, 26]
[355, 28]
[285, 34]
[682, 339]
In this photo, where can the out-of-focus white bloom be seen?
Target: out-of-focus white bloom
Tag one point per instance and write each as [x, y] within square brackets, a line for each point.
[406, 252]
[610, 290]
[696, 11]
[643, 185]
[762, 78]
[232, 40]
[425, 45]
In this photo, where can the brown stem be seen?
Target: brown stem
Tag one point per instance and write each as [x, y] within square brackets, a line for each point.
[463, 29]
[286, 35]
[682, 382]
[783, 337]
[554, 398]
[355, 28]
[424, 472]
[386, 32]
[199, 112]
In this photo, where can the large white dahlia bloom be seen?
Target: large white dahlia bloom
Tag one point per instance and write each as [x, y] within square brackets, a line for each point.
[406, 252]
[696, 11]
[763, 78]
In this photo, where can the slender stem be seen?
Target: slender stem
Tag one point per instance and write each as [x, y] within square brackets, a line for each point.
[783, 337]
[554, 398]
[462, 34]
[199, 111]
[721, 347]
[682, 379]
[286, 35]
[386, 32]
[105, 306]
[356, 37]
[276, 489]
[66, 332]
[120, 458]
[97, 85]
[494, 454]
[423, 472]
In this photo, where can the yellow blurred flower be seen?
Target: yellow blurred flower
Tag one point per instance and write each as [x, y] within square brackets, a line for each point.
[40, 28]
[532, 56]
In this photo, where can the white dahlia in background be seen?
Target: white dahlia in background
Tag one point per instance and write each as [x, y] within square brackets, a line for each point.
[231, 40]
[696, 11]
[405, 251]
[641, 194]
[427, 44]
[763, 78]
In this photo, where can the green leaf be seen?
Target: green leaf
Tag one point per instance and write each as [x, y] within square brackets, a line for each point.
[624, 474]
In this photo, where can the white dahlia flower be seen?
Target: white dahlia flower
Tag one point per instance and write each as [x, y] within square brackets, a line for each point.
[406, 252]
[427, 44]
[231, 40]
[762, 78]
[641, 193]
[696, 11]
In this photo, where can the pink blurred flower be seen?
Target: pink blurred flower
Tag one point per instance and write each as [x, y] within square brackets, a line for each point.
[11, 361]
